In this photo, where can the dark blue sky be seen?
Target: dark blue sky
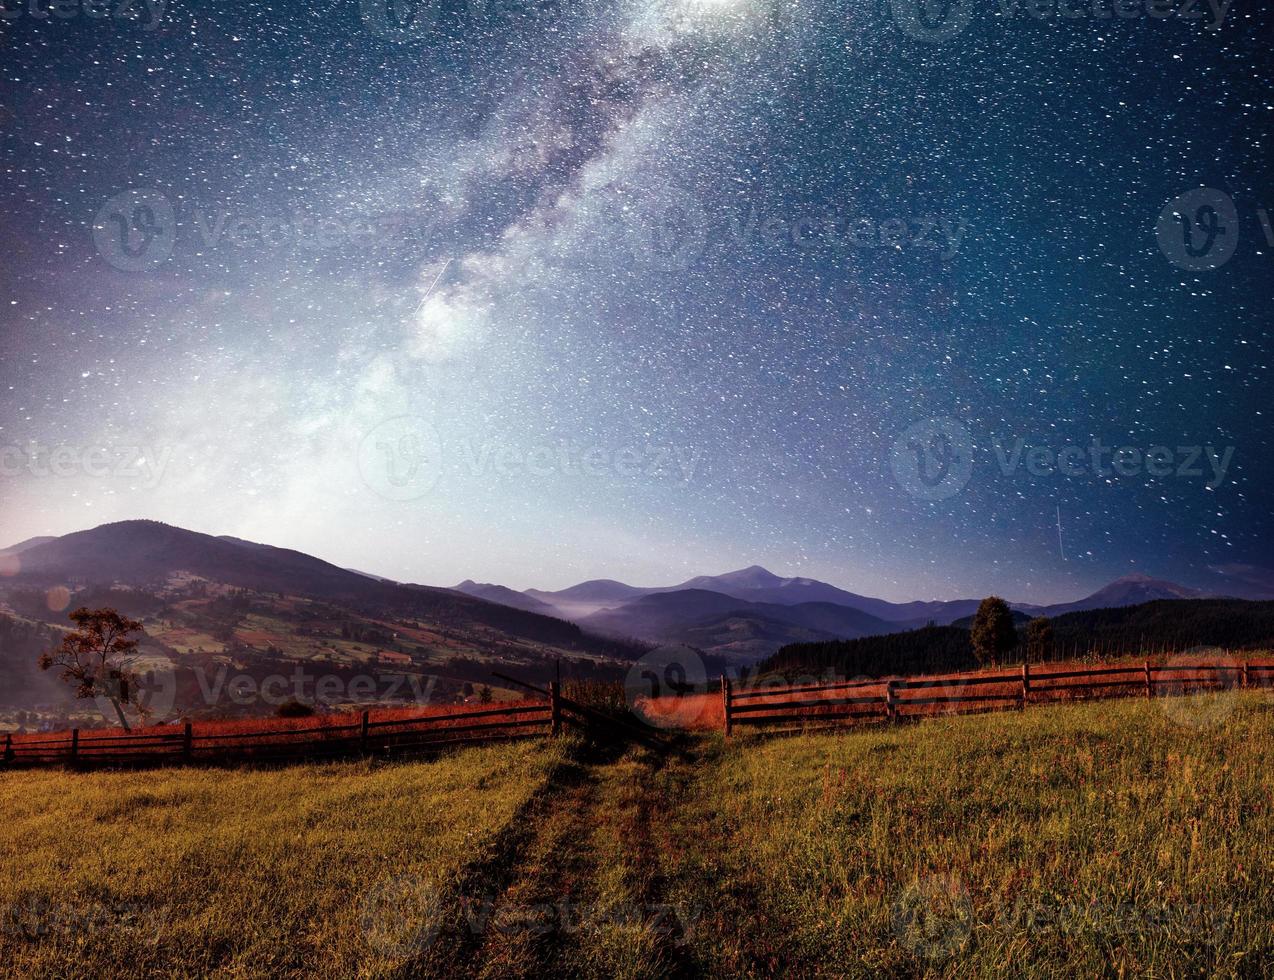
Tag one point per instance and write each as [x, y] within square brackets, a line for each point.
[532, 293]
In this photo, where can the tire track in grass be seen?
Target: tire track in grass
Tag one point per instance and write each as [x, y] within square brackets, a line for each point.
[580, 891]
[451, 947]
[501, 917]
[639, 796]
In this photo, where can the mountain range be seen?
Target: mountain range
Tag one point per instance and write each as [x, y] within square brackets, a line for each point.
[146, 554]
[749, 613]
[736, 617]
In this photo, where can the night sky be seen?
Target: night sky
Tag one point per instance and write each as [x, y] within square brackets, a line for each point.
[538, 292]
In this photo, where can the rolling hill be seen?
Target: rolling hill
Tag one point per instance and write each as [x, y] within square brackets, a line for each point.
[732, 629]
[505, 597]
[1174, 625]
[208, 603]
[146, 554]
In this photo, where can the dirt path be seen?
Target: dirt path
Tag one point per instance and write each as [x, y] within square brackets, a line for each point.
[575, 889]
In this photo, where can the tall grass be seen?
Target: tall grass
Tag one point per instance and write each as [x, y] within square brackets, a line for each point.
[1125, 838]
[305, 871]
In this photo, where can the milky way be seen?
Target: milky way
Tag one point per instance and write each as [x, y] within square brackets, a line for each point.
[926, 302]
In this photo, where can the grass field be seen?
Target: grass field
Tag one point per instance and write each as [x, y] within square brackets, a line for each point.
[1122, 838]
[276, 872]
[1125, 838]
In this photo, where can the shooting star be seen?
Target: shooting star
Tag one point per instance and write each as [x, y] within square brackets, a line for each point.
[432, 286]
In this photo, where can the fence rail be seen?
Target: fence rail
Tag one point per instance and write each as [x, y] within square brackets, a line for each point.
[799, 705]
[364, 736]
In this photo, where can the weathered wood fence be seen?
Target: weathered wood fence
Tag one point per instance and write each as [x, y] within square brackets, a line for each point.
[899, 698]
[361, 736]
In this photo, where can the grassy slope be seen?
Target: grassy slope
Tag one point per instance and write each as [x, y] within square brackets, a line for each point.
[1134, 834]
[245, 873]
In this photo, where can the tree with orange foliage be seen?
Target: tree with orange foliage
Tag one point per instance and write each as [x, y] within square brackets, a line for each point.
[97, 657]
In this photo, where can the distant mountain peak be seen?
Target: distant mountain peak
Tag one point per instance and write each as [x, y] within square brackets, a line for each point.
[754, 573]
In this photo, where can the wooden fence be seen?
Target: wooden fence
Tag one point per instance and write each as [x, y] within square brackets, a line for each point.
[897, 699]
[362, 736]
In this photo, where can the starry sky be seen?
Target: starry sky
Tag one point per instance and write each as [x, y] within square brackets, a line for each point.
[534, 291]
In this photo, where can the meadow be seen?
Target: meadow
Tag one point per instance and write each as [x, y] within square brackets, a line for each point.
[1120, 838]
[298, 871]
[1115, 838]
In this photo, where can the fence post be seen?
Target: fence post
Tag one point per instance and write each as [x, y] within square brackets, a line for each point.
[726, 692]
[75, 744]
[1026, 684]
[188, 742]
[364, 730]
[8, 747]
[1149, 685]
[1245, 677]
[891, 702]
[555, 707]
